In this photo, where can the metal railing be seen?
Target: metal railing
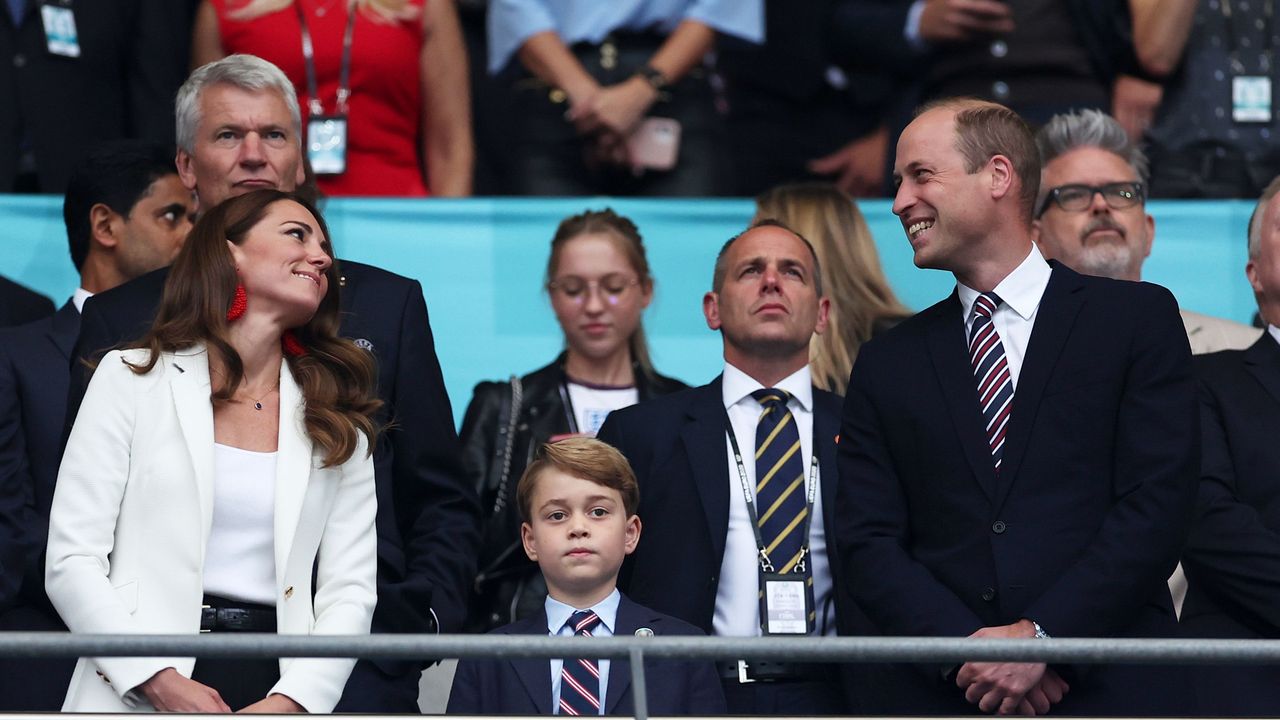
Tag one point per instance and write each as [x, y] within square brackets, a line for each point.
[636, 649]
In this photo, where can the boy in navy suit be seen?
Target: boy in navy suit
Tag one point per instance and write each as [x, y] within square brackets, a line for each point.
[578, 502]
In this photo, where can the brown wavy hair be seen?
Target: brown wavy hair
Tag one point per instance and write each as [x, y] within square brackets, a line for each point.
[626, 237]
[862, 301]
[336, 377]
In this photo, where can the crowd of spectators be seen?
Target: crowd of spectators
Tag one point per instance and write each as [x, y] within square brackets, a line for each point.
[646, 97]
[1037, 455]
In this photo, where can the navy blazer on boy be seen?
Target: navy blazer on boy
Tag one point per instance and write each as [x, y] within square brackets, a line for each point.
[1079, 529]
[522, 686]
[428, 516]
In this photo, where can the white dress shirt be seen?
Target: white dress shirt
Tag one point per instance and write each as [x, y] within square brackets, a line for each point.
[79, 297]
[737, 595]
[1021, 291]
[1275, 332]
[557, 615]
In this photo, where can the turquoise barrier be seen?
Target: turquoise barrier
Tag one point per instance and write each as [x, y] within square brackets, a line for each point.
[481, 263]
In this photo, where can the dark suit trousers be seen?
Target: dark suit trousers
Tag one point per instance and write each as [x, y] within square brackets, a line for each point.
[33, 684]
[783, 699]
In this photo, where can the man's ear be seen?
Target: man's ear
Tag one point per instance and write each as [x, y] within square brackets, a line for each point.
[529, 541]
[1002, 175]
[711, 310]
[104, 226]
[186, 169]
[824, 315]
[631, 534]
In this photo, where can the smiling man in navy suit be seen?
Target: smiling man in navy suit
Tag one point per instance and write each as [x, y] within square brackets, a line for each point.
[126, 214]
[239, 128]
[1019, 460]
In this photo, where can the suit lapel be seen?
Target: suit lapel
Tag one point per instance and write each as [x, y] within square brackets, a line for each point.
[704, 444]
[65, 328]
[293, 465]
[630, 618]
[826, 425]
[534, 673]
[189, 382]
[1062, 300]
[1263, 362]
[948, 352]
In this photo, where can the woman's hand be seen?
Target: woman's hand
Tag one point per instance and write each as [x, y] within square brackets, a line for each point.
[273, 704]
[615, 109]
[169, 691]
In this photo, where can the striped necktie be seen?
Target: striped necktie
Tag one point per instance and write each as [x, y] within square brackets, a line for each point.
[780, 490]
[991, 370]
[580, 679]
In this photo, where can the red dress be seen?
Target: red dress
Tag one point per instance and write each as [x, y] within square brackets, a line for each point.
[385, 108]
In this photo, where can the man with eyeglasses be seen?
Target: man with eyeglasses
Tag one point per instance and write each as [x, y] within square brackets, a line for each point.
[1091, 214]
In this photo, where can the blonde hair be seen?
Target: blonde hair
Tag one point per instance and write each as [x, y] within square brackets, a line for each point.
[387, 11]
[586, 458]
[851, 276]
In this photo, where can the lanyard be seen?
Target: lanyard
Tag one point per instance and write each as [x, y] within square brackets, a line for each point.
[766, 564]
[1233, 43]
[309, 57]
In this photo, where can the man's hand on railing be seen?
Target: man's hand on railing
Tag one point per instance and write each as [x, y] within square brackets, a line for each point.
[169, 691]
[1047, 693]
[1002, 687]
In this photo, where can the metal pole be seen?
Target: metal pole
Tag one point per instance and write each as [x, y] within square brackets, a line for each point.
[639, 690]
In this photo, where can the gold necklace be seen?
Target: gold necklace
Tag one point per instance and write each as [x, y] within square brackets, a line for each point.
[257, 402]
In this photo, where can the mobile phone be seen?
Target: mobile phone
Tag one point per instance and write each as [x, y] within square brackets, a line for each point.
[655, 144]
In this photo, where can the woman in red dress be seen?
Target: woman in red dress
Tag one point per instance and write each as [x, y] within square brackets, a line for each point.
[408, 114]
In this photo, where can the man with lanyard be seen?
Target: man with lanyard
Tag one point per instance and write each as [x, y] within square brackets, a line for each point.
[737, 478]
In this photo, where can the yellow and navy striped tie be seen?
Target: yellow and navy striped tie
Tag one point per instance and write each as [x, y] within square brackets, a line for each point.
[780, 487]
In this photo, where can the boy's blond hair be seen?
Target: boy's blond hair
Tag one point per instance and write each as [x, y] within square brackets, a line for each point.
[585, 458]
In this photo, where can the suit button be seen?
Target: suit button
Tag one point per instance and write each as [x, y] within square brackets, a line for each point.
[19, 60]
[712, 582]
[998, 527]
[989, 594]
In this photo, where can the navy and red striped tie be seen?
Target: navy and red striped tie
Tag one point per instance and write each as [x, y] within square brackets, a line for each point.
[580, 679]
[991, 370]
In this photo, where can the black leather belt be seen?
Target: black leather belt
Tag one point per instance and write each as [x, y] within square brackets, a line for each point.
[747, 671]
[236, 619]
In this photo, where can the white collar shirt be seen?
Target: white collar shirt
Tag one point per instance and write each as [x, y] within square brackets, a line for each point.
[558, 615]
[1020, 291]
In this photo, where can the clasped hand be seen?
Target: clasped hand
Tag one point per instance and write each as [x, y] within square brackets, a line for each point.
[1008, 688]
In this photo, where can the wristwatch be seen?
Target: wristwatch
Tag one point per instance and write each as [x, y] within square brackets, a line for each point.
[1040, 633]
[653, 76]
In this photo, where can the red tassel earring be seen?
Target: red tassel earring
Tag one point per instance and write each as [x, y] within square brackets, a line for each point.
[239, 302]
[292, 345]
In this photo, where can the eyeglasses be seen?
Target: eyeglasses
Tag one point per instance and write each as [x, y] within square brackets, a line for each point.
[576, 290]
[1074, 198]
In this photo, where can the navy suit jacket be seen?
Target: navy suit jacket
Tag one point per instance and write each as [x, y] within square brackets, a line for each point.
[522, 686]
[1232, 559]
[427, 513]
[18, 305]
[34, 362]
[1081, 527]
[676, 445]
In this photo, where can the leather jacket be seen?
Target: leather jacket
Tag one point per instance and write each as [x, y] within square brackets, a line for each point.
[509, 586]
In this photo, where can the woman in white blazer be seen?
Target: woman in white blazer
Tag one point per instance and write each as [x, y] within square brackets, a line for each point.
[215, 464]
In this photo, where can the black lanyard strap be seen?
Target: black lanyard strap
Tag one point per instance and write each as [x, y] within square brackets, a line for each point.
[766, 565]
[309, 59]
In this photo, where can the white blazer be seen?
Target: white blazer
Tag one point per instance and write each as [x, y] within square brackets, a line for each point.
[131, 516]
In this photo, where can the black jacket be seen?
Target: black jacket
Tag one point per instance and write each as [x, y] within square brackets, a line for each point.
[508, 586]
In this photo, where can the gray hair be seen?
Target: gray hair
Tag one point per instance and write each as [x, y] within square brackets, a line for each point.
[1089, 128]
[1255, 220]
[247, 72]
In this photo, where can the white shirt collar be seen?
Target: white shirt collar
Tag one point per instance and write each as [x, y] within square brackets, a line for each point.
[558, 613]
[737, 385]
[79, 297]
[1021, 289]
[1275, 332]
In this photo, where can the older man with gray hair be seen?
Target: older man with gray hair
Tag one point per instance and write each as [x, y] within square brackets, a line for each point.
[1091, 213]
[239, 129]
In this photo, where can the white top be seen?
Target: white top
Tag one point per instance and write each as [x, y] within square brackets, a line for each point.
[1275, 332]
[1021, 291]
[593, 403]
[558, 615]
[79, 297]
[737, 596]
[239, 560]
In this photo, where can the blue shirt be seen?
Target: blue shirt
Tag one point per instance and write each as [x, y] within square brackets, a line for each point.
[558, 614]
[512, 22]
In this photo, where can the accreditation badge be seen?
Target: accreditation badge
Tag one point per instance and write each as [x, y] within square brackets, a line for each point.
[60, 36]
[327, 144]
[1251, 98]
[786, 604]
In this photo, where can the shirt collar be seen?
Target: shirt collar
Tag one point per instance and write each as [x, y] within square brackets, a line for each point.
[736, 386]
[1275, 332]
[558, 613]
[1021, 289]
[79, 297]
